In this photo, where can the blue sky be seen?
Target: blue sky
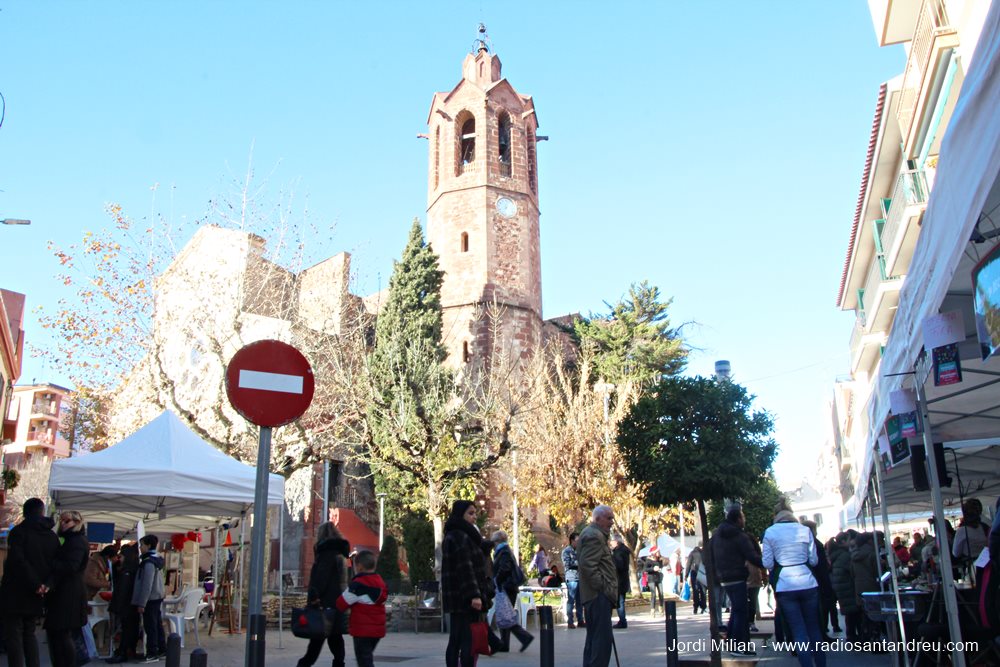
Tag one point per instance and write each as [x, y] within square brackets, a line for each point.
[713, 148]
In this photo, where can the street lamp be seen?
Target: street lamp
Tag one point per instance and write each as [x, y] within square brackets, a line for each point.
[381, 519]
[604, 389]
[15, 221]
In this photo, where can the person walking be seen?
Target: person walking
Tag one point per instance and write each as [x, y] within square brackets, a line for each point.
[731, 553]
[508, 577]
[842, 578]
[572, 568]
[327, 580]
[827, 596]
[756, 581]
[466, 587]
[365, 597]
[790, 549]
[695, 561]
[598, 586]
[66, 600]
[31, 548]
[622, 556]
[654, 580]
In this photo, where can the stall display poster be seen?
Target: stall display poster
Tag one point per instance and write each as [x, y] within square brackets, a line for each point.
[947, 366]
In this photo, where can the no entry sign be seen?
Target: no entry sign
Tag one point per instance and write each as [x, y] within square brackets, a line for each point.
[270, 383]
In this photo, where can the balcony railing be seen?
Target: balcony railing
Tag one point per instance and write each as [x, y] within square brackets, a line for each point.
[911, 190]
[873, 287]
[932, 22]
[44, 408]
[361, 504]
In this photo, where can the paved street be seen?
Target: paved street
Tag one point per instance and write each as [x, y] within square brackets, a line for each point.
[643, 643]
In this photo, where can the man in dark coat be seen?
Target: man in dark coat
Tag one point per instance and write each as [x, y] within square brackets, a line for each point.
[31, 546]
[622, 557]
[731, 551]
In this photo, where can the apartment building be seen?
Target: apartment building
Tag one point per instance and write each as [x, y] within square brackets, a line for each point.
[34, 423]
[912, 114]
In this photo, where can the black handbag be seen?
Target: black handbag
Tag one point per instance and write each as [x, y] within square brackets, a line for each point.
[312, 623]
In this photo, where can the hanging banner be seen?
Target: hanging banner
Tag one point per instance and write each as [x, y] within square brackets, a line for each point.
[944, 329]
[899, 447]
[947, 366]
[903, 403]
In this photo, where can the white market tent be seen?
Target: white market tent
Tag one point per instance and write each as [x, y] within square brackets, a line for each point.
[164, 475]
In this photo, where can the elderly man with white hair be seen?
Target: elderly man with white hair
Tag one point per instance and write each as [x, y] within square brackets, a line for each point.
[598, 586]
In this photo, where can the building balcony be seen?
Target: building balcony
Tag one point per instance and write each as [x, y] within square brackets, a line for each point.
[881, 296]
[866, 345]
[933, 36]
[44, 409]
[902, 221]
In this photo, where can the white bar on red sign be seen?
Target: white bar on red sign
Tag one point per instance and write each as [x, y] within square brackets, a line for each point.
[288, 384]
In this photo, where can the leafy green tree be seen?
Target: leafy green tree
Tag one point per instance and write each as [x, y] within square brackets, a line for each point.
[758, 507]
[635, 341]
[696, 438]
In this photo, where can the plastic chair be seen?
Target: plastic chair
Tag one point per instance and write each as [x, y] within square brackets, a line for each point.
[98, 613]
[526, 603]
[427, 603]
[191, 606]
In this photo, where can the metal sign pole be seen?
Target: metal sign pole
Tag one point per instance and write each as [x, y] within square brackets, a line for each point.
[941, 534]
[257, 623]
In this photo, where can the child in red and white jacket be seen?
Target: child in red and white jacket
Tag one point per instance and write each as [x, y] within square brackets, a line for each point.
[365, 596]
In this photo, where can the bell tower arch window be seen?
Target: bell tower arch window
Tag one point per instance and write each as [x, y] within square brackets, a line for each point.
[465, 242]
[503, 143]
[466, 142]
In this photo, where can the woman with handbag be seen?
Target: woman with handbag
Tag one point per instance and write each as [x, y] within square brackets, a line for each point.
[509, 577]
[466, 587]
[327, 581]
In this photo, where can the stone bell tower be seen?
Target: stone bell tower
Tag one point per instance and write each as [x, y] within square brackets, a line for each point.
[482, 211]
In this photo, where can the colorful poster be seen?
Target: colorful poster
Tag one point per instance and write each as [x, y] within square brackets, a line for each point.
[909, 424]
[986, 300]
[947, 366]
[899, 447]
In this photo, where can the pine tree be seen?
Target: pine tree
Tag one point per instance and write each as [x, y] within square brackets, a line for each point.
[635, 341]
[430, 432]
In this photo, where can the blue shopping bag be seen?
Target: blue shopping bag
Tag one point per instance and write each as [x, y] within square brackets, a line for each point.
[686, 592]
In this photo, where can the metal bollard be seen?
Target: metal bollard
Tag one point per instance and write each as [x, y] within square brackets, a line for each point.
[174, 650]
[670, 618]
[546, 643]
[199, 658]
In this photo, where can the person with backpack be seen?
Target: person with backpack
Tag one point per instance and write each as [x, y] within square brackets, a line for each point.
[365, 597]
[147, 597]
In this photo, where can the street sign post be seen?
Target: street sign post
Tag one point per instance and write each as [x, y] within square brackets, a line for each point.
[270, 384]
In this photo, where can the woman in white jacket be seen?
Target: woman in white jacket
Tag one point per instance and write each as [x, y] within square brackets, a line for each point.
[789, 549]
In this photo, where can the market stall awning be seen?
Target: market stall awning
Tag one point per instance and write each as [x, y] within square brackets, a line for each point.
[163, 474]
[966, 189]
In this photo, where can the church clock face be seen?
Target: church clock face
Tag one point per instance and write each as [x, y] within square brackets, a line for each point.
[506, 207]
